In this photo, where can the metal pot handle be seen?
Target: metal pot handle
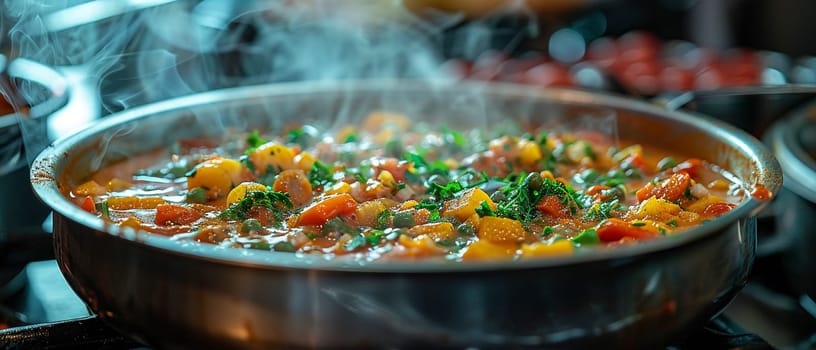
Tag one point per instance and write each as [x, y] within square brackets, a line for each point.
[675, 102]
[25, 70]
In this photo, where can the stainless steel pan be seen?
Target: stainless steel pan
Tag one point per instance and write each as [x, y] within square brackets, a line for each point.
[172, 294]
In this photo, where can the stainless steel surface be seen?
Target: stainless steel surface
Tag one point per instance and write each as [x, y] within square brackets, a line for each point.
[685, 98]
[36, 91]
[173, 294]
[793, 140]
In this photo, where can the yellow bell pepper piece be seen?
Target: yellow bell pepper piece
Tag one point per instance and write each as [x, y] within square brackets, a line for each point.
[465, 205]
[486, 250]
[500, 230]
[562, 247]
[216, 176]
[274, 155]
[239, 192]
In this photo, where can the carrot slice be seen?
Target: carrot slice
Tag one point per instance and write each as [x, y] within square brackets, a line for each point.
[174, 214]
[670, 189]
[616, 229]
[328, 208]
[552, 205]
[717, 209]
[89, 205]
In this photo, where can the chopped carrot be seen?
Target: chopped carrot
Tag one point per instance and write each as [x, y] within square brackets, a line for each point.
[616, 229]
[670, 189]
[717, 209]
[691, 167]
[89, 205]
[296, 184]
[328, 208]
[174, 214]
[552, 206]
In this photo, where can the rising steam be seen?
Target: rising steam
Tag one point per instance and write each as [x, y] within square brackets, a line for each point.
[135, 52]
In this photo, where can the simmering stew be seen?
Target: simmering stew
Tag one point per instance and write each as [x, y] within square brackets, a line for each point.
[387, 189]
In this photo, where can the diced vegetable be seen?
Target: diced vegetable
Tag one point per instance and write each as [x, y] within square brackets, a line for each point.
[529, 152]
[436, 230]
[553, 207]
[116, 184]
[418, 246]
[174, 214]
[538, 249]
[273, 156]
[719, 208]
[615, 229]
[367, 212]
[465, 205]
[125, 203]
[587, 237]
[90, 188]
[487, 250]
[251, 225]
[670, 189]
[239, 192]
[700, 205]
[196, 195]
[88, 205]
[296, 184]
[656, 208]
[216, 176]
[304, 161]
[501, 230]
[327, 208]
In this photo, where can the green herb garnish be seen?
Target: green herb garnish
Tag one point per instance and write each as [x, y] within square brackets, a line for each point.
[196, 195]
[284, 246]
[602, 211]
[277, 202]
[254, 140]
[587, 237]
[320, 175]
[383, 218]
[374, 237]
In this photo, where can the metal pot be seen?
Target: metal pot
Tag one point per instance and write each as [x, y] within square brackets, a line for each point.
[172, 294]
[793, 141]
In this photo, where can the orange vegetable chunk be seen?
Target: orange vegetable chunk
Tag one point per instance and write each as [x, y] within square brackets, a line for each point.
[328, 208]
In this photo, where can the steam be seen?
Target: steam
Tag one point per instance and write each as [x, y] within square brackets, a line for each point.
[135, 52]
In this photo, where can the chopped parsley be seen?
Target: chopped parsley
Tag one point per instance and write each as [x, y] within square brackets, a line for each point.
[196, 195]
[254, 140]
[522, 196]
[444, 192]
[277, 202]
[320, 175]
[602, 211]
[338, 225]
[374, 237]
[284, 246]
[383, 218]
